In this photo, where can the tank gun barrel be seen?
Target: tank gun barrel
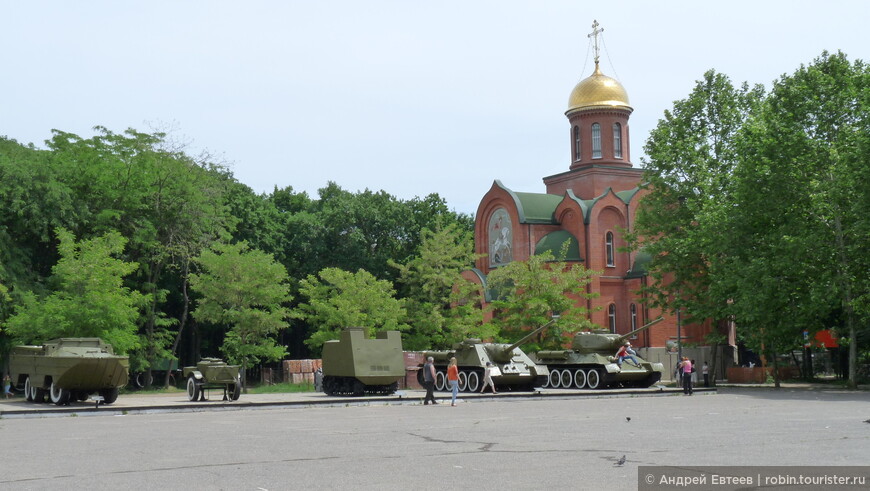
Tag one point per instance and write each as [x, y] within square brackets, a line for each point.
[529, 336]
[644, 327]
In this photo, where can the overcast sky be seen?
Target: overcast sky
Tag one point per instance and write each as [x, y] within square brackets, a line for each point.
[408, 97]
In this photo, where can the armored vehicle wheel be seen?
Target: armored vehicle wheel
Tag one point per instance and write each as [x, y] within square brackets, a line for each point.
[567, 379]
[555, 379]
[58, 395]
[40, 395]
[79, 395]
[593, 379]
[463, 381]
[28, 393]
[440, 381]
[234, 390]
[193, 390]
[579, 379]
[109, 395]
[473, 382]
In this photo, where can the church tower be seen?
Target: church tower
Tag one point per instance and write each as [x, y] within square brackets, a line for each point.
[598, 112]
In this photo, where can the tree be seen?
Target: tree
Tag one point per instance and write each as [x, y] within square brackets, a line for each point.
[89, 300]
[443, 307]
[529, 292]
[244, 290]
[337, 299]
[807, 147]
[691, 157]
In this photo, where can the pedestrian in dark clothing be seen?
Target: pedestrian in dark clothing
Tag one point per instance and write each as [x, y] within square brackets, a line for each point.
[429, 381]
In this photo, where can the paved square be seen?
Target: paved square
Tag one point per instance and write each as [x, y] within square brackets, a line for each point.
[570, 443]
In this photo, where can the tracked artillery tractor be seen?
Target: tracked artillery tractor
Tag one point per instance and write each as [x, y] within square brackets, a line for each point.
[514, 369]
[354, 365]
[212, 373]
[68, 370]
[591, 364]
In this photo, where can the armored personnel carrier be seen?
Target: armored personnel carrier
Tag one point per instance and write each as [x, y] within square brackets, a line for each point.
[212, 373]
[69, 369]
[354, 365]
[591, 364]
[514, 369]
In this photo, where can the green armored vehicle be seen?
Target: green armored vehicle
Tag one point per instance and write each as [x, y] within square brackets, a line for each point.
[513, 368]
[212, 373]
[354, 365]
[69, 369]
[591, 363]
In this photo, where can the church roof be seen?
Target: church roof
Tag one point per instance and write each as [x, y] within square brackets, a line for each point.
[555, 241]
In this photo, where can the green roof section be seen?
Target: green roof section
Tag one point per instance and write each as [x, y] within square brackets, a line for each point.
[555, 241]
[626, 196]
[534, 207]
[640, 268]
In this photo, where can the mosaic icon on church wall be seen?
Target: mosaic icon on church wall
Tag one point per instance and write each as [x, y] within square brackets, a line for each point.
[500, 238]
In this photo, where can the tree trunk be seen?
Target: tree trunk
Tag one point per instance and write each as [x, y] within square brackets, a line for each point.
[182, 322]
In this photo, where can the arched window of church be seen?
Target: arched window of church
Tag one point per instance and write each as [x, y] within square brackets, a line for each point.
[632, 310]
[617, 141]
[608, 248]
[596, 141]
[611, 317]
[576, 143]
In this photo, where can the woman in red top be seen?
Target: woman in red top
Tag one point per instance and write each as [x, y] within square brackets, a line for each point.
[453, 378]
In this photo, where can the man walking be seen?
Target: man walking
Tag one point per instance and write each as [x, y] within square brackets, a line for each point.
[429, 380]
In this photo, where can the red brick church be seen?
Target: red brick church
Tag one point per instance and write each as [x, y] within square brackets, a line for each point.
[589, 204]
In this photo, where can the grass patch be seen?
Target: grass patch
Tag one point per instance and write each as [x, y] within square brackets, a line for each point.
[280, 388]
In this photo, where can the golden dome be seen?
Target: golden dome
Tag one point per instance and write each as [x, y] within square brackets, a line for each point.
[598, 90]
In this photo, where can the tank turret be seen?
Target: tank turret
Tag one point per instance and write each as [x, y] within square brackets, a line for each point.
[591, 363]
[608, 342]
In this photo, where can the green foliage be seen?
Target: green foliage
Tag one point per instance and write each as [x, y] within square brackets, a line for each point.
[530, 292]
[89, 300]
[337, 299]
[243, 290]
[758, 205]
[443, 307]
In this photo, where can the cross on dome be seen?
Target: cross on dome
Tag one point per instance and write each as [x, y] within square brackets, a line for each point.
[594, 35]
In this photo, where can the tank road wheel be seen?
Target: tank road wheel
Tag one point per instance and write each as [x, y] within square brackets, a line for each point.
[58, 395]
[109, 395]
[27, 390]
[440, 381]
[555, 379]
[579, 379]
[193, 390]
[593, 379]
[567, 379]
[473, 382]
[463, 381]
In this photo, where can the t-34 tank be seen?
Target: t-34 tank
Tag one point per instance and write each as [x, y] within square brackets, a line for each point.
[354, 365]
[69, 369]
[514, 369]
[212, 373]
[591, 364]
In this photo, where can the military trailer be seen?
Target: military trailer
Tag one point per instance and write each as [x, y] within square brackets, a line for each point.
[212, 373]
[591, 363]
[354, 365]
[69, 369]
[514, 369]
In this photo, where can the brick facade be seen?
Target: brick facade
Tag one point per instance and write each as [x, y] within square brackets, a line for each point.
[595, 199]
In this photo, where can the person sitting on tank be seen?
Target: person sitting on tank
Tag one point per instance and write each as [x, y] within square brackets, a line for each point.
[626, 352]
